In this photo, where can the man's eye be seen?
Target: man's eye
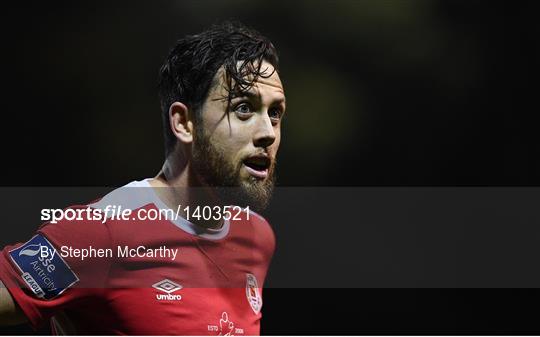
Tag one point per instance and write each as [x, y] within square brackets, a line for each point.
[243, 108]
[275, 113]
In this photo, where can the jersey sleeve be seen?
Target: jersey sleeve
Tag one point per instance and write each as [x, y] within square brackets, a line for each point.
[46, 275]
[266, 236]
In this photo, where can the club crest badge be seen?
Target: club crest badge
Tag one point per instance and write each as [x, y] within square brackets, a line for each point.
[252, 292]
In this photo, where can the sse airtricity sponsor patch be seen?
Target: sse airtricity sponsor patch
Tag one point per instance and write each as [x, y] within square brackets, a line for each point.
[42, 268]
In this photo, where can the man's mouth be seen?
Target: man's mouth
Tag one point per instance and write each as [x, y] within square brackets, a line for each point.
[258, 166]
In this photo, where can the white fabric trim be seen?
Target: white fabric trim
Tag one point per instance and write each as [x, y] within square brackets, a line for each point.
[125, 197]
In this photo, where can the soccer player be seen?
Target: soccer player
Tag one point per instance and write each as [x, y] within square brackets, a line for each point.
[222, 103]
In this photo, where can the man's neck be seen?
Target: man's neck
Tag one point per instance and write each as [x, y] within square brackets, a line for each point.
[175, 186]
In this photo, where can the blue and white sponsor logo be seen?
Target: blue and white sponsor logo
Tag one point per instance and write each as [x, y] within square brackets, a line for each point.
[30, 250]
[42, 268]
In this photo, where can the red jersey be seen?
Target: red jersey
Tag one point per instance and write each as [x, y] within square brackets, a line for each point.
[159, 277]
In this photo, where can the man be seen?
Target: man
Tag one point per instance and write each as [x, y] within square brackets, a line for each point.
[222, 104]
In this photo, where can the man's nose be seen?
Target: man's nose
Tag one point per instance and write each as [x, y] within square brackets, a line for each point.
[265, 134]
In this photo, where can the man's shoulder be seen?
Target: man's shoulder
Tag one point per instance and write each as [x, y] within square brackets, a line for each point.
[94, 218]
[133, 195]
[257, 219]
[262, 227]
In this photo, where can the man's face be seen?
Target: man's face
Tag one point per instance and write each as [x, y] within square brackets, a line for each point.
[236, 148]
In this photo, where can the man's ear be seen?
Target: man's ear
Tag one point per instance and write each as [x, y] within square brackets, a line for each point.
[180, 122]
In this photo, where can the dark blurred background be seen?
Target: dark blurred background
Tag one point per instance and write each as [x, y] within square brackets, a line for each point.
[404, 92]
[380, 93]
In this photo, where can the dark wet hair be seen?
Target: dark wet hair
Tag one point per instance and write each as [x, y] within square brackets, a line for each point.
[188, 72]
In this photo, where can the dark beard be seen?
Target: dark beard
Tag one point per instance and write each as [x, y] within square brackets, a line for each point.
[224, 176]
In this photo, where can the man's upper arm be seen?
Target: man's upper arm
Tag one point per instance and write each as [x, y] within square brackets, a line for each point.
[10, 313]
[35, 290]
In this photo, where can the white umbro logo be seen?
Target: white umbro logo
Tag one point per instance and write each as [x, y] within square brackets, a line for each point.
[168, 287]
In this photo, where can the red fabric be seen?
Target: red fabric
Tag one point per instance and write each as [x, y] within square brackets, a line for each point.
[115, 295]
